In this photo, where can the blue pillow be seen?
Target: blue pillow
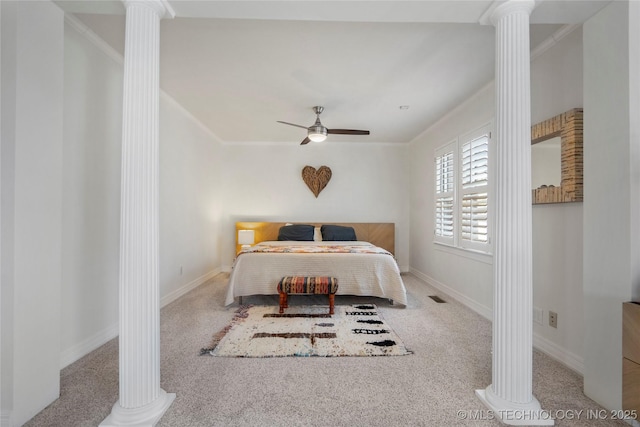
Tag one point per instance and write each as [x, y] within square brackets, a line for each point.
[299, 232]
[337, 232]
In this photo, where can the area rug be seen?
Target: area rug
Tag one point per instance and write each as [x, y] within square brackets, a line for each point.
[260, 331]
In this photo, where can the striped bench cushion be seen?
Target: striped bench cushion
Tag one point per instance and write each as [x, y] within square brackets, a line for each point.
[308, 285]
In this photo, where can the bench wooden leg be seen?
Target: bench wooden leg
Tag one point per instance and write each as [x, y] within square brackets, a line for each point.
[331, 302]
[283, 302]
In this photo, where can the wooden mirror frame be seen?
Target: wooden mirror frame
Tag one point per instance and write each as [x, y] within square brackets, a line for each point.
[568, 126]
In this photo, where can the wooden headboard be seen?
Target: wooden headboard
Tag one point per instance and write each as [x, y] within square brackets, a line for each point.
[381, 234]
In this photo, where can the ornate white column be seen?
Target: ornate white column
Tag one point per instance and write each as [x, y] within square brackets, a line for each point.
[510, 394]
[142, 402]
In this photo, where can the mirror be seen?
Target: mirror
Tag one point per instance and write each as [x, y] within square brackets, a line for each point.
[546, 168]
[556, 173]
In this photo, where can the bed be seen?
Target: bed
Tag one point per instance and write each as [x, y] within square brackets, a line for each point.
[363, 262]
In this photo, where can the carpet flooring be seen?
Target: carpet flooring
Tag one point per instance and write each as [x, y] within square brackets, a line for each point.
[433, 387]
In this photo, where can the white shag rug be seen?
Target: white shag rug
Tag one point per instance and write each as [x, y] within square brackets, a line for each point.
[354, 330]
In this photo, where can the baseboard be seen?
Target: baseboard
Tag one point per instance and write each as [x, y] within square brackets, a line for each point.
[172, 296]
[567, 358]
[225, 269]
[70, 355]
[482, 310]
[85, 347]
[551, 349]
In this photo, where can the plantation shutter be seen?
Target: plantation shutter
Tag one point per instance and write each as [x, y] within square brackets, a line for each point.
[474, 215]
[445, 187]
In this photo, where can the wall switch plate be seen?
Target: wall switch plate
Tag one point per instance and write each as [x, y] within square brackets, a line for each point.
[553, 319]
[538, 316]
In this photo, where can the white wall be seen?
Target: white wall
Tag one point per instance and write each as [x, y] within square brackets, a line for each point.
[634, 140]
[190, 207]
[32, 197]
[369, 183]
[91, 196]
[557, 281]
[3, 418]
[556, 78]
[7, 215]
[610, 196]
[462, 275]
[556, 86]
[190, 202]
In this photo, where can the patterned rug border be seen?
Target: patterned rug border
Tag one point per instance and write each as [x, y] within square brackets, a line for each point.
[242, 313]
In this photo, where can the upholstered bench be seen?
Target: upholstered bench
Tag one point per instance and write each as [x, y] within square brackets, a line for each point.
[319, 285]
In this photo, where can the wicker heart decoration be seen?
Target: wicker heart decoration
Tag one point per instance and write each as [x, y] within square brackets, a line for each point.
[316, 180]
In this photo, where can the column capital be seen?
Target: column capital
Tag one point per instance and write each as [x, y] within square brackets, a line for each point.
[500, 8]
[161, 7]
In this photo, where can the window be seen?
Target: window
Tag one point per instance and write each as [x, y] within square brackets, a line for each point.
[462, 191]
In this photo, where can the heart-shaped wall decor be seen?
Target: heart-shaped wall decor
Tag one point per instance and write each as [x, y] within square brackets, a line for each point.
[316, 180]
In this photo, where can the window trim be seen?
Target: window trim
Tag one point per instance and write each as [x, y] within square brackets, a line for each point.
[480, 256]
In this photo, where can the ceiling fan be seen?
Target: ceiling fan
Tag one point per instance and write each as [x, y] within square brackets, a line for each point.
[318, 133]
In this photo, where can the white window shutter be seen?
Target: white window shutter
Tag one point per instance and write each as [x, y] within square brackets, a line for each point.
[474, 215]
[444, 217]
[445, 192]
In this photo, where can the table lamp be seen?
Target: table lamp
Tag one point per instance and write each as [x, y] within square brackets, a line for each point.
[246, 238]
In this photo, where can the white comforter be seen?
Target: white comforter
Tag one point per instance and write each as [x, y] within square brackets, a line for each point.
[369, 274]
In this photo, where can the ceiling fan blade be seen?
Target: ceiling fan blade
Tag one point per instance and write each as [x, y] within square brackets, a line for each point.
[293, 124]
[348, 131]
[305, 141]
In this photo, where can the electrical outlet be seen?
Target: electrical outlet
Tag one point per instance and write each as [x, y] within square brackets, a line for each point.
[538, 316]
[553, 319]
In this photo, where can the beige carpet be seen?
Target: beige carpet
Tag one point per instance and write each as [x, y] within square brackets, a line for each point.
[433, 387]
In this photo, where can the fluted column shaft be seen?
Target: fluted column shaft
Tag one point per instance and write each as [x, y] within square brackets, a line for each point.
[139, 300]
[511, 388]
[512, 263]
[142, 401]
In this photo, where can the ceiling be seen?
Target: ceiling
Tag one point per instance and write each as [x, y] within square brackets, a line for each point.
[239, 66]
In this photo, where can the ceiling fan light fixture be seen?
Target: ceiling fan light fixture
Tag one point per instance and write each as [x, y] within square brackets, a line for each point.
[317, 133]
